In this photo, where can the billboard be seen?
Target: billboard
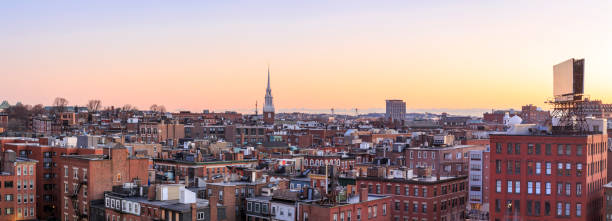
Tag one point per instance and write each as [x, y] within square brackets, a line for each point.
[568, 80]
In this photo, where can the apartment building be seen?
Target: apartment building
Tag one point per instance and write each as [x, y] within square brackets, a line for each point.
[544, 177]
[17, 187]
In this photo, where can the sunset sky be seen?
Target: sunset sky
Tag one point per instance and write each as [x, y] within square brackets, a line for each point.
[435, 55]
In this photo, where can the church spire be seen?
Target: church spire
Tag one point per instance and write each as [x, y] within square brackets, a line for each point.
[268, 89]
[268, 108]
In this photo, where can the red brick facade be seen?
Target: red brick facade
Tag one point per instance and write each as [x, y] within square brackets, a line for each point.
[547, 177]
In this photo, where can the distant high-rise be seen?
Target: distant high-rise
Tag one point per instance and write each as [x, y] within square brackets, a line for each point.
[396, 110]
[268, 109]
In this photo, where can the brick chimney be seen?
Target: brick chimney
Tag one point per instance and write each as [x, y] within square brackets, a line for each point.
[176, 178]
[186, 181]
[151, 192]
[363, 195]
[212, 204]
[194, 211]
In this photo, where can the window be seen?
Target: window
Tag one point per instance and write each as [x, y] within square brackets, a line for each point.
[384, 210]
[416, 191]
[548, 168]
[578, 169]
[548, 149]
[529, 187]
[509, 186]
[358, 214]
[517, 149]
[375, 210]
[510, 165]
[529, 208]
[537, 188]
[578, 209]
[530, 149]
[517, 167]
[568, 168]
[567, 209]
[538, 168]
[529, 168]
[538, 149]
[65, 171]
[548, 188]
[559, 188]
[75, 173]
[560, 149]
[498, 148]
[498, 166]
[578, 189]
[560, 169]
[568, 189]
[498, 186]
[568, 150]
[546, 208]
[200, 216]
[559, 208]
[249, 206]
[579, 150]
[19, 171]
[497, 206]
[517, 184]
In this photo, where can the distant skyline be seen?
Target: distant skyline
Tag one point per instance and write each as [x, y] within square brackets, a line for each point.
[442, 55]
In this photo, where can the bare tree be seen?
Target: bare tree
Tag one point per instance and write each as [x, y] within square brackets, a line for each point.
[161, 109]
[158, 108]
[129, 108]
[94, 105]
[37, 110]
[59, 105]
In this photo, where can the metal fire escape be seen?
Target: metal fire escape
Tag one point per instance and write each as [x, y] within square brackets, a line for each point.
[75, 201]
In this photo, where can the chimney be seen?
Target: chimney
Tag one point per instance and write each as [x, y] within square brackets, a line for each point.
[212, 204]
[176, 178]
[151, 192]
[363, 195]
[194, 211]
[186, 181]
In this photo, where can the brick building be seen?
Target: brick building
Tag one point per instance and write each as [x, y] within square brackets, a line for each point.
[48, 170]
[156, 202]
[608, 200]
[423, 197]
[233, 195]
[363, 207]
[85, 178]
[240, 134]
[206, 170]
[544, 177]
[445, 161]
[17, 188]
[3, 122]
[533, 115]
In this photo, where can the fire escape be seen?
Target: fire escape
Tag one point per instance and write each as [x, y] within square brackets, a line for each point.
[75, 201]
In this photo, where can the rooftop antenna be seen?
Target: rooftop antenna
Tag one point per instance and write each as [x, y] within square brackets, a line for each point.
[256, 109]
[356, 112]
